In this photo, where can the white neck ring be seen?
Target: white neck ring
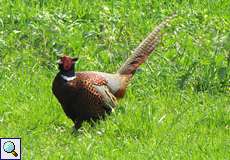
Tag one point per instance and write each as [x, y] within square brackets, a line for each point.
[68, 78]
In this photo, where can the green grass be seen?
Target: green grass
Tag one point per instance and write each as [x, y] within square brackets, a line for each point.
[177, 106]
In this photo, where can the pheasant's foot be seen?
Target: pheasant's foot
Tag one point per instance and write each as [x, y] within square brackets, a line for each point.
[77, 125]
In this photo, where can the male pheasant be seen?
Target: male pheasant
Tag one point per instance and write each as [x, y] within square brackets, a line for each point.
[89, 95]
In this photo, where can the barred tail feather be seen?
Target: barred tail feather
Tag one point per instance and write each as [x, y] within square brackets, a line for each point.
[146, 47]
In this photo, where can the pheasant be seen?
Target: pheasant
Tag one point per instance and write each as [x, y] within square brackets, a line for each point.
[91, 95]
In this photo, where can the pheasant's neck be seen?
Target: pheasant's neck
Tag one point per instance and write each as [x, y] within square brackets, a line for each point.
[68, 75]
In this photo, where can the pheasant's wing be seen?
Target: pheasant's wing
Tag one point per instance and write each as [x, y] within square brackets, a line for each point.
[116, 83]
[107, 97]
[96, 97]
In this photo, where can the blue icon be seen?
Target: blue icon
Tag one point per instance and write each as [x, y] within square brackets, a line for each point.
[9, 147]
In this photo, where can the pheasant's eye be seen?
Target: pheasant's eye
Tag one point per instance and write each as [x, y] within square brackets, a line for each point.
[67, 65]
[67, 62]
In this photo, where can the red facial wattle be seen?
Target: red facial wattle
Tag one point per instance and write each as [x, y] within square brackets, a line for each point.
[67, 63]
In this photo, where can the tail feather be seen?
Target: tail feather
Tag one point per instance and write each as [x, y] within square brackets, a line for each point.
[142, 52]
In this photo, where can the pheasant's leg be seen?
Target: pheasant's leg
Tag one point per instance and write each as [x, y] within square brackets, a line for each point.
[77, 124]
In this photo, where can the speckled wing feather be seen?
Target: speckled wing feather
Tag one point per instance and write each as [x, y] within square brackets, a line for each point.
[94, 95]
[108, 98]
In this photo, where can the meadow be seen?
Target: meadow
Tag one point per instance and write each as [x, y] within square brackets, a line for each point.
[177, 105]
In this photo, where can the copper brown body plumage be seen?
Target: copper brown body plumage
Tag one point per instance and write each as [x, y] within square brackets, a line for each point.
[90, 95]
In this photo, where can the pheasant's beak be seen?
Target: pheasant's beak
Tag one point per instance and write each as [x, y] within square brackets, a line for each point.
[59, 61]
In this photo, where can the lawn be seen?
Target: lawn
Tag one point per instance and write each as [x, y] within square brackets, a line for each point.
[177, 105]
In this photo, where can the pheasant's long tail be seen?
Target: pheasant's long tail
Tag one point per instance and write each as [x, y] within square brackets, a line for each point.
[146, 47]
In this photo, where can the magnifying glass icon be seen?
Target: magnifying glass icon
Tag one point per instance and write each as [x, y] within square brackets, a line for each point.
[9, 147]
